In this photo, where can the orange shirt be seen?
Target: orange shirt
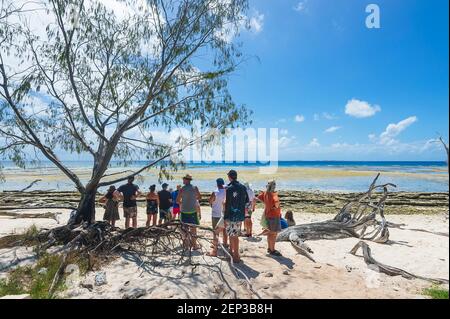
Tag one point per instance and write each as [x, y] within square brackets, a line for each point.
[272, 204]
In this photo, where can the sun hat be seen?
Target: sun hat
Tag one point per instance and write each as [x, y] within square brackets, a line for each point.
[188, 177]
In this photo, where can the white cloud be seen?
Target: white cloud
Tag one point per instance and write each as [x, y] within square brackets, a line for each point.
[301, 6]
[256, 22]
[286, 141]
[284, 132]
[253, 24]
[299, 118]
[314, 142]
[332, 129]
[361, 109]
[392, 130]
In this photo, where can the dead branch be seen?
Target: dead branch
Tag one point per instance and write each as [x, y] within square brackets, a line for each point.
[361, 218]
[389, 270]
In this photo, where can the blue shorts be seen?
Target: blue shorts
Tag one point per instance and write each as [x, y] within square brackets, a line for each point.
[190, 218]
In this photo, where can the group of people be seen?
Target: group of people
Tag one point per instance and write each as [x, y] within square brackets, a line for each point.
[231, 204]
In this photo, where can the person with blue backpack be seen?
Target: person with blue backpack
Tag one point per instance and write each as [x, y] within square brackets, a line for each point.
[236, 200]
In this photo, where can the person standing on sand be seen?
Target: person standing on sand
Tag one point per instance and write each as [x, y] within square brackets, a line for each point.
[188, 197]
[129, 192]
[152, 206]
[217, 201]
[175, 206]
[111, 201]
[272, 212]
[249, 209]
[165, 203]
[235, 201]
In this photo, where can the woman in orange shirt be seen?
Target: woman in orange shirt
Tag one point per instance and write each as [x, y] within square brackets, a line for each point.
[272, 213]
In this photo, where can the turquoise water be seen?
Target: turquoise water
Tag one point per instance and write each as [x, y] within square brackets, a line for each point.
[431, 176]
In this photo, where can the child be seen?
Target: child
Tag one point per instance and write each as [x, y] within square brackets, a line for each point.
[111, 201]
[152, 206]
[289, 216]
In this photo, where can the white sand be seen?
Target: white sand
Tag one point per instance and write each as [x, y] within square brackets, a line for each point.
[337, 274]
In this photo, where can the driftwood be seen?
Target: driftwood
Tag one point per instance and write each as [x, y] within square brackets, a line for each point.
[361, 218]
[389, 270]
[31, 215]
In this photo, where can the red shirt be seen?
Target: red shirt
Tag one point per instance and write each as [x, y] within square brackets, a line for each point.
[272, 204]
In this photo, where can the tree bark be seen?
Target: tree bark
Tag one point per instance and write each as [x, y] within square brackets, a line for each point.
[86, 207]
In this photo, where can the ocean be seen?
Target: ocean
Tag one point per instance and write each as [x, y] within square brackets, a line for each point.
[328, 176]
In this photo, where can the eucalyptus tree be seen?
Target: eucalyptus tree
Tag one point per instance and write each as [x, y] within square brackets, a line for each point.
[98, 77]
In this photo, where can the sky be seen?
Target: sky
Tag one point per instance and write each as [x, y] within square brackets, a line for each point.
[338, 90]
[335, 89]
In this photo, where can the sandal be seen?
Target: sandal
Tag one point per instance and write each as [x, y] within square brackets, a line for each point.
[274, 253]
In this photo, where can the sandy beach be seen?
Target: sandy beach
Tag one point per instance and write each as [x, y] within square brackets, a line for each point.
[336, 273]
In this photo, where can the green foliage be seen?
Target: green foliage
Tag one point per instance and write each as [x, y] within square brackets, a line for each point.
[28, 280]
[436, 292]
[107, 81]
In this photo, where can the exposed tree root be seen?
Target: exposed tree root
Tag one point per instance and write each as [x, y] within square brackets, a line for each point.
[389, 270]
[100, 241]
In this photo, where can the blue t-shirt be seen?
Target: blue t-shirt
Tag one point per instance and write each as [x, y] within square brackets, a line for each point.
[284, 223]
[174, 199]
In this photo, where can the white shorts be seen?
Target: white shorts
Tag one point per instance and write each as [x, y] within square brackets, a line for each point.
[233, 229]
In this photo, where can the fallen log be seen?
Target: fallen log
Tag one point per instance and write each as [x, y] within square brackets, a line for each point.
[361, 218]
[389, 270]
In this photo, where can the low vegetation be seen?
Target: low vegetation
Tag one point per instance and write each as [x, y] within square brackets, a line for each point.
[436, 292]
[37, 279]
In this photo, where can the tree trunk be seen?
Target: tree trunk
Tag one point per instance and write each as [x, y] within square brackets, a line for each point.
[86, 207]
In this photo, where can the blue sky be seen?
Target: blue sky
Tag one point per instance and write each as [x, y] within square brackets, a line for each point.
[310, 59]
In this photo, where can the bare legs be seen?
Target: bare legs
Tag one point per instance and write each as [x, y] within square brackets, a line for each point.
[190, 237]
[234, 248]
[216, 239]
[248, 225]
[271, 238]
[151, 220]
